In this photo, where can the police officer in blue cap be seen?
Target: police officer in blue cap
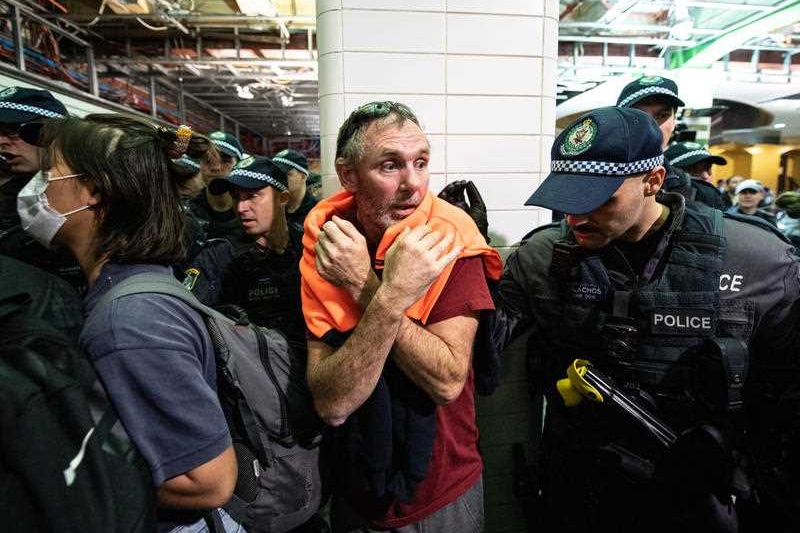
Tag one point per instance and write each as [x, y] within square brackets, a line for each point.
[693, 316]
[23, 111]
[263, 276]
[216, 212]
[658, 97]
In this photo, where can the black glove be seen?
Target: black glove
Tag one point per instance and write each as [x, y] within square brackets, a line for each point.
[476, 209]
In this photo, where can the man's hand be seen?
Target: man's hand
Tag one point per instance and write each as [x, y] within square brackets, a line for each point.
[342, 256]
[414, 261]
[476, 208]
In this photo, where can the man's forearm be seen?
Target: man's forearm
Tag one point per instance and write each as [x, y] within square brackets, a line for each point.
[344, 379]
[423, 356]
[438, 368]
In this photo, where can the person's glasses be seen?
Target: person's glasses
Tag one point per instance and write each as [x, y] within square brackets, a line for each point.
[368, 113]
[29, 132]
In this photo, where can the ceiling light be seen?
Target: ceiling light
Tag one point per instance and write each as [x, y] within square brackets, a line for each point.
[244, 92]
[779, 126]
[257, 7]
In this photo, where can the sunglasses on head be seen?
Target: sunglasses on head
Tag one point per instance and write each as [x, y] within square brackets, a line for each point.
[29, 132]
[367, 113]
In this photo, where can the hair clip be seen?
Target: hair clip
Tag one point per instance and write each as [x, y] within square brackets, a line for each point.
[181, 143]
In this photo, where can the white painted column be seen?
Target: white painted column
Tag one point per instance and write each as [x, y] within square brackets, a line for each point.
[480, 75]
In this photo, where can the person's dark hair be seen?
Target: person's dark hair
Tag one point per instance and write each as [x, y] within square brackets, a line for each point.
[125, 160]
[790, 203]
[350, 141]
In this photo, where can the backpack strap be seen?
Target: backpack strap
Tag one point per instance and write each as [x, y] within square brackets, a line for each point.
[153, 282]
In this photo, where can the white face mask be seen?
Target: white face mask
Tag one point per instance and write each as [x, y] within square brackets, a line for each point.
[38, 219]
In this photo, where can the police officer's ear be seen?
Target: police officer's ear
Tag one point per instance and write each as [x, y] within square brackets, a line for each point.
[653, 181]
[283, 197]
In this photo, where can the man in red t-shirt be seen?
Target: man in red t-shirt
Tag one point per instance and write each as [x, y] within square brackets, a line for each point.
[393, 284]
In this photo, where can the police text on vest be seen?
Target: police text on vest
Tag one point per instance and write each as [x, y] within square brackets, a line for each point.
[682, 321]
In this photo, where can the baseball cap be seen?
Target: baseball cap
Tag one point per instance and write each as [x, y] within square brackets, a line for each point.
[753, 185]
[594, 155]
[254, 172]
[686, 154]
[226, 143]
[649, 86]
[20, 104]
[291, 159]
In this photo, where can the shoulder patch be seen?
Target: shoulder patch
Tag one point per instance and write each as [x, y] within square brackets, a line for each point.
[191, 278]
[579, 139]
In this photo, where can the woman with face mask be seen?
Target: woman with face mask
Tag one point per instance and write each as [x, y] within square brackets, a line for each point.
[109, 194]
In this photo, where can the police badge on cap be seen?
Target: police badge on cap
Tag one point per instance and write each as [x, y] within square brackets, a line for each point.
[580, 138]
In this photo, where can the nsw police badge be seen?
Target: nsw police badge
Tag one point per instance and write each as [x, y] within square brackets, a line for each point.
[650, 80]
[579, 138]
[246, 162]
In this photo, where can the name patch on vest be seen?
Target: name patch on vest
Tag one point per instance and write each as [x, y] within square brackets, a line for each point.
[682, 322]
[583, 292]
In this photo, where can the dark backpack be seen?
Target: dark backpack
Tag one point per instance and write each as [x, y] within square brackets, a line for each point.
[66, 465]
[270, 414]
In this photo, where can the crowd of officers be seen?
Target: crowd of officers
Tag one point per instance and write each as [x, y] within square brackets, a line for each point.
[663, 304]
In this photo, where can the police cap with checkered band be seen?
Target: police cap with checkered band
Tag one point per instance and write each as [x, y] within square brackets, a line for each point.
[648, 86]
[20, 104]
[227, 144]
[594, 155]
[253, 172]
[686, 154]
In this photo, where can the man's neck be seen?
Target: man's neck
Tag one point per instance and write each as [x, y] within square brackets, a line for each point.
[219, 202]
[653, 218]
[295, 205]
[748, 210]
[372, 233]
[277, 239]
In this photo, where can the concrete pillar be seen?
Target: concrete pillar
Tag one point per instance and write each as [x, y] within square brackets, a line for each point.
[480, 76]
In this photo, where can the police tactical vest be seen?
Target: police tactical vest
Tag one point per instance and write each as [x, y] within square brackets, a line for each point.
[653, 333]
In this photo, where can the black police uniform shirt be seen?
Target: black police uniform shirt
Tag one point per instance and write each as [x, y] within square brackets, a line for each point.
[216, 224]
[8, 201]
[266, 285]
[194, 236]
[679, 181]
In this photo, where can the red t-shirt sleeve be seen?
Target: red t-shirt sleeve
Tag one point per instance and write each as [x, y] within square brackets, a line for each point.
[466, 290]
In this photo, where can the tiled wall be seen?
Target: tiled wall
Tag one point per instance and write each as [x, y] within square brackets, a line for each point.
[480, 75]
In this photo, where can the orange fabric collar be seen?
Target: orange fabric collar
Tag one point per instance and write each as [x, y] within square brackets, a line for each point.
[327, 307]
